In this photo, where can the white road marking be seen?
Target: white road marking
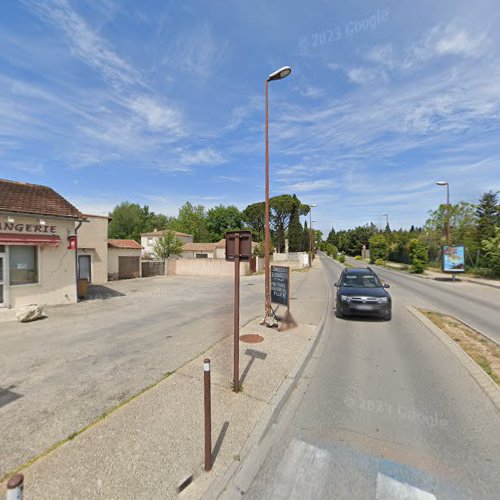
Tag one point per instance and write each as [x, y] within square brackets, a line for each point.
[390, 489]
[301, 473]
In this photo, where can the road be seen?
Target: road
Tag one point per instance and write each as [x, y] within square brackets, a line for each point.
[59, 374]
[383, 410]
[475, 304]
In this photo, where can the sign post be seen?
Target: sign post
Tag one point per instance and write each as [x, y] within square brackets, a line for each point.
[280, 293]
[238, 248]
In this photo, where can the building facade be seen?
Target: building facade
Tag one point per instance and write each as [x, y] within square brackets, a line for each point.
[93, 249]
[37, 246]
[148, 240]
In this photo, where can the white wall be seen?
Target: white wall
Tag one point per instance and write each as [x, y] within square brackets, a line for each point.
[93, 241]
[56, 268]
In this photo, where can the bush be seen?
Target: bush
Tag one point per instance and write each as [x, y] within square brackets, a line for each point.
[379, 248]
[419, 254]
[358, 257]
[341, 258]
[380, 262]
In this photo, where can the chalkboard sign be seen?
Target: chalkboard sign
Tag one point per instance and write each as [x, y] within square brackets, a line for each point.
[280, 285]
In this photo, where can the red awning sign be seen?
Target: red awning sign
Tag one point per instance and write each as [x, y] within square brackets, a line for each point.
[29, 239]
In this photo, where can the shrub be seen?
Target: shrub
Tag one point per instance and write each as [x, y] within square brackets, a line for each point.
[379, 248]
[358, 257]
[341, 258]
[380, 262]
[419, 254]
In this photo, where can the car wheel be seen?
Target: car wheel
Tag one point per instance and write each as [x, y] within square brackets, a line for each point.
[388, 316]
[338, 313]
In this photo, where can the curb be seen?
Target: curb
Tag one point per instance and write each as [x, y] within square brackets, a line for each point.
[225, 484]
[481, 378]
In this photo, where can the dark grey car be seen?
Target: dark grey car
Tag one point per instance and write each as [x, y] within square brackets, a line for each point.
[360, 292]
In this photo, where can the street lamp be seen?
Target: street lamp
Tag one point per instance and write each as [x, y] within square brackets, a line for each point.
[448, 210]
[277, 75]
[310, 232]
[386, 220]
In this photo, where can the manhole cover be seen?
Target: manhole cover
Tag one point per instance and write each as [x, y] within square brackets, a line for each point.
[251, 338]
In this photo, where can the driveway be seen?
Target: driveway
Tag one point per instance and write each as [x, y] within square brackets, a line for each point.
[59, 374]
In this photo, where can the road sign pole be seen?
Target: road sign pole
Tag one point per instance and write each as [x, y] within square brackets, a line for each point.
[236, 370]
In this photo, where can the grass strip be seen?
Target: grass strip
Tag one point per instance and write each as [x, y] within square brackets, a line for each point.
[481, 349]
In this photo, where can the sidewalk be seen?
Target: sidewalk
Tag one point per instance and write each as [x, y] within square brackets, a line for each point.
[147, 447]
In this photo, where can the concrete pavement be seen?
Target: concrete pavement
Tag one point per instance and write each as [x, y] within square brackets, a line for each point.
[147, 446]
[59, 374]
[383, 410]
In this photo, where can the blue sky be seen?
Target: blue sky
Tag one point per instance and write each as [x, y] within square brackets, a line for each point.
[160, 102]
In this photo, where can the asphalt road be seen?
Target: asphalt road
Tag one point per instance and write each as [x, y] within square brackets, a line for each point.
[384, 411]
[59, 374]
[476, 305]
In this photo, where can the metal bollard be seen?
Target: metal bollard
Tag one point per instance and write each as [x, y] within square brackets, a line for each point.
[15, 487]
[208, 416]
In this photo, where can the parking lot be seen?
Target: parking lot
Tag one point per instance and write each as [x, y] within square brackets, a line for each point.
[61, 373]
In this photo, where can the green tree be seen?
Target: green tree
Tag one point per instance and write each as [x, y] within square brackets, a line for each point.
[379, 247]
[305, 238]
[129, 220]
[281, 211]
[491, 247]
[255, 216]
[487, 216]
[167, 245]
[221, 219]
[192, 220]
[419, 255]
[295, 231]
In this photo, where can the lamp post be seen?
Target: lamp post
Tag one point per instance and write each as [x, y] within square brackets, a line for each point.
[277, 75]
[448, 210]
[386, 220]
[310, 232]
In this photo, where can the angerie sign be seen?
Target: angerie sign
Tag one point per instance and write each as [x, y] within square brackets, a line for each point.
[27, 228]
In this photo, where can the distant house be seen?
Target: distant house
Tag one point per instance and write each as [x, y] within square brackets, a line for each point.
[148, 240]
[199, 251]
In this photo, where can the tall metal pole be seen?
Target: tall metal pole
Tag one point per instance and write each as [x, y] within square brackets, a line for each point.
[310, 236]
[448, 214]
[236, 347]
[267, 306]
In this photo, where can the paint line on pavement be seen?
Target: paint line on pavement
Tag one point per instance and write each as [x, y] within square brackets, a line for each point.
[390, 489]
[301, 473]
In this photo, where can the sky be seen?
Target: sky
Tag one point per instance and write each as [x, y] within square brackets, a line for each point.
[161, 102]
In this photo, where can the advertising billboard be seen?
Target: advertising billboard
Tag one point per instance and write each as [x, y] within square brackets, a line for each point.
[453, 259]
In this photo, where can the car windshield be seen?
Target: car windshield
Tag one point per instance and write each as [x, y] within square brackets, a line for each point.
[361, 281]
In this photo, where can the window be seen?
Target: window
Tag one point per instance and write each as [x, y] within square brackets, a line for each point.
[201, 256]
[150, 241]
[23, 265]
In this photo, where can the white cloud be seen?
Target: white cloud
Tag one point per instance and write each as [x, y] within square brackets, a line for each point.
[84, 42]
[306, 186]
[157, 115]
[445, 41]
[362, 75]
[206, 156]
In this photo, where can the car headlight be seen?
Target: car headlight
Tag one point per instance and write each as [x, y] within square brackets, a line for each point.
[382, 300]
[345, 298]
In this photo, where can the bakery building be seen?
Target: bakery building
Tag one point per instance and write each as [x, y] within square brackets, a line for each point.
[37, 246]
